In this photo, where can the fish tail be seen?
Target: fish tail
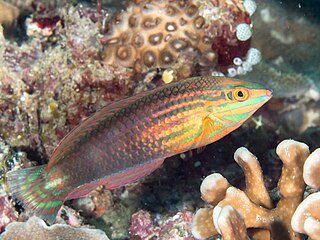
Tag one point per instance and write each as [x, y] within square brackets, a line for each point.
[32, 189]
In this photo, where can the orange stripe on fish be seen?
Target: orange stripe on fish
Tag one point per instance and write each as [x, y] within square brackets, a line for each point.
[130, 138]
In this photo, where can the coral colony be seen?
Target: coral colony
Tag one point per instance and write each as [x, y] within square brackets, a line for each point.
[160, 34]
[95, 95]
[235, 210]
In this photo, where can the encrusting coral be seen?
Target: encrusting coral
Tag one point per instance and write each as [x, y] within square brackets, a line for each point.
[35, 228]
[306, 218]
[253, 204]
[166, 33]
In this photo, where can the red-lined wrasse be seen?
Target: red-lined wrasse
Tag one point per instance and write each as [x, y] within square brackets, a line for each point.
[130, 138]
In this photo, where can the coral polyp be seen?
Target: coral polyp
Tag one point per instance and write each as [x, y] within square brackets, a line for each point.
[157, 33]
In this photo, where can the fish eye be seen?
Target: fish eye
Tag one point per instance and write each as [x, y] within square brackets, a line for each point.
[240, 94]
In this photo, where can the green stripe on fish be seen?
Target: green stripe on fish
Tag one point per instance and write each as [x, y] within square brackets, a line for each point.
[129, 138]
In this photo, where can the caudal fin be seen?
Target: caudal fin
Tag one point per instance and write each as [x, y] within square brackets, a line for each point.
[30, 188]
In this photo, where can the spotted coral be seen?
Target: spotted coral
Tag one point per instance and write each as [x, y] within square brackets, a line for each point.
[254, 203]
[9, 13]
[156, 34]
[37, 227]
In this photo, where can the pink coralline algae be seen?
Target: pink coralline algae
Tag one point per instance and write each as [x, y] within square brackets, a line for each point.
[142, 226]
[7, 214]
[178, 227]
[50, 83]
[214, 35]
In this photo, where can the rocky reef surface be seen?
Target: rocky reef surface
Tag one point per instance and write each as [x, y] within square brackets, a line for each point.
[61, 62]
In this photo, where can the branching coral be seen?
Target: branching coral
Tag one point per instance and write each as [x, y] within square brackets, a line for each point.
[306, 218]
[254, 203]
[311, 170]
[152, 33]
[231, 224]
[35, 228]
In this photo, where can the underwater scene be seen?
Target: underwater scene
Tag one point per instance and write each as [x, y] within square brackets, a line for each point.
[159, 119]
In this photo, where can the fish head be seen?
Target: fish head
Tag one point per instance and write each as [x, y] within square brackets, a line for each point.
[239, 100]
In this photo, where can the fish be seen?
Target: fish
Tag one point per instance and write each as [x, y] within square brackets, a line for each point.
[130, 138]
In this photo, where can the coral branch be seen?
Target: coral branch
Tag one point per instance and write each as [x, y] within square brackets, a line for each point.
[293, 155]
[254, 215]
[231, 224]
[202, 224]
[311, 170]
[307, 215]
[255, 188]
[254, 204]
[213, 188]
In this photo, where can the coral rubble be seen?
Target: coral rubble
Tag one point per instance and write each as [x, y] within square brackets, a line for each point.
[95, 204]
[177, 227]
[254, 203]
[142, 226]
[161, 34]
[35, 228]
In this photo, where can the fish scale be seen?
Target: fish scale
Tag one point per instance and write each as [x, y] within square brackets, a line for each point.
[129, 138]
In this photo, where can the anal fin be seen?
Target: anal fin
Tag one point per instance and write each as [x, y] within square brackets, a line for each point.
[133, 174]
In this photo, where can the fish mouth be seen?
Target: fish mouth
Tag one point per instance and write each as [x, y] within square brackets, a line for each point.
[264, 97]
[267, 95]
